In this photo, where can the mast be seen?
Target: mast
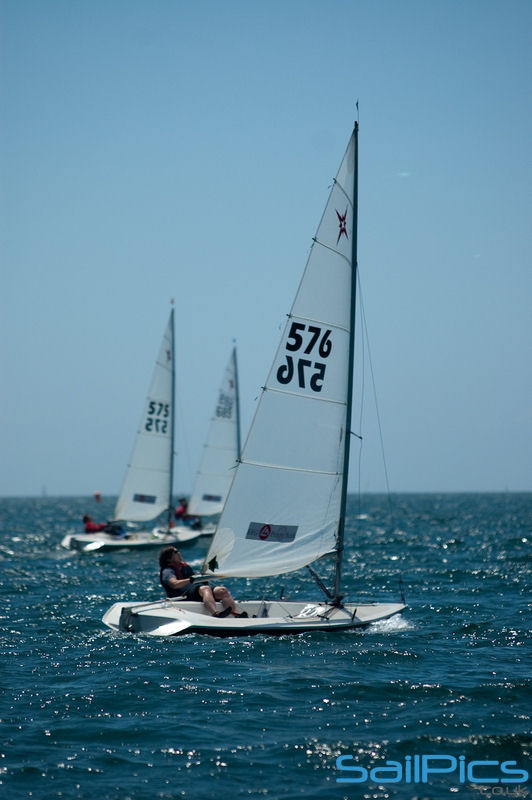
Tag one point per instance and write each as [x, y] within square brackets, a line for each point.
[172, 421]
[341, 524]
[237, 406]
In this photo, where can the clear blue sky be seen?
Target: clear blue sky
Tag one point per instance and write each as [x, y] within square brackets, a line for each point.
[184, 149]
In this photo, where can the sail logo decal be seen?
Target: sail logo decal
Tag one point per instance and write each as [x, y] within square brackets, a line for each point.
[212, 498]
[144, 498]
[309, 374]
[342, 225]
[271, 533]
[225, 406]
[157, 417]
[264, 532]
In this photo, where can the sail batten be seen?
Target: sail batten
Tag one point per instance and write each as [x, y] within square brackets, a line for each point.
[314, 399]
[347, 197]
[332, 250]
[317, 321]
[288, 469]
[284, 507]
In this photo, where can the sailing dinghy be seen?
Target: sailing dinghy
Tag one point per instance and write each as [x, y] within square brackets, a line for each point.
[147, 488]
[220, 454]
[286, 505]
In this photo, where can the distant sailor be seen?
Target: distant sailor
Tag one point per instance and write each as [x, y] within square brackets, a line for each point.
[102, 527]
[181, 513]
[181, 510]
[176, 578]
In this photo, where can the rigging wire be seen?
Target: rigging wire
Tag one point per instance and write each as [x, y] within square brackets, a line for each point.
[366, 348]
[362, 394]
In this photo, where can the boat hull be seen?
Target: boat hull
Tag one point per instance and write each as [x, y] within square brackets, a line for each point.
[207, 530]
[176, 617]
[139, 540]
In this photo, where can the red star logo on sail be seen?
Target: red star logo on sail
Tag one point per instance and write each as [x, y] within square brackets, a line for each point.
[342, 225]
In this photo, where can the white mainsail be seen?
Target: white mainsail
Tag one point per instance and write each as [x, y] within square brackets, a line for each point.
[284, 506]
[221, 451]
[146, 491]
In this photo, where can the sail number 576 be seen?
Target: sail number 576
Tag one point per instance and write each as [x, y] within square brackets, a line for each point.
[312, 340]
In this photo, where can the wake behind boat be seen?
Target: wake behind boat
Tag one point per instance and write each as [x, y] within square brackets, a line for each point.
[147, 488]
[287, 503]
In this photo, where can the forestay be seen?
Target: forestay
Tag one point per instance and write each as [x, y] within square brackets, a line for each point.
[146, 490]
[284, 505]
[221, 449]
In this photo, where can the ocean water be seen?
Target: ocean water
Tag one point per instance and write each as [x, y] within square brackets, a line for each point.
[88, 713]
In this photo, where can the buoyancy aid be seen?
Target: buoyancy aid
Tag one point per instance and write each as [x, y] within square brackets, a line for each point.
[181, 571]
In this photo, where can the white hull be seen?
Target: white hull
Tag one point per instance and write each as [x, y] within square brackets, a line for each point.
[175, 617]
[177, 535]
[206, 530]
[138, 540]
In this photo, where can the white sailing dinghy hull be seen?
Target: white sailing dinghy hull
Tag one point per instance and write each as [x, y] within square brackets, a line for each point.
[205, 530]
[139, 540]
[180, 533]
[175, 617]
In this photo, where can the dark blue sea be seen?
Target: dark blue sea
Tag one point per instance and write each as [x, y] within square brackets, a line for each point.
[88, 713]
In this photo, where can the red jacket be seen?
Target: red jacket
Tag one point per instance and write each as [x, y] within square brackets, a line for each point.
[92, 527]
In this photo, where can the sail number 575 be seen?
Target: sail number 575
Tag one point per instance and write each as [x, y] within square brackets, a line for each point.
[311, 340]
[157, 417]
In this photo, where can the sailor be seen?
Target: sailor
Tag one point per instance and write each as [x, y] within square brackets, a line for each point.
[176, 577]
[181, 513]
[105, 527]
[181, 510]
[91, 526]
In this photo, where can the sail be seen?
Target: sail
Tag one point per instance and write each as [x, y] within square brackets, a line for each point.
[146, 491]
[221, 449]
[284, 505]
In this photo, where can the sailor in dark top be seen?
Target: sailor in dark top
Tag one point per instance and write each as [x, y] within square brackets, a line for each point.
[176, 576]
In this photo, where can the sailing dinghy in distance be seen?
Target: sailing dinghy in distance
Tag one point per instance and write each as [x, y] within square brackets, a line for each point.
[220, 453]
[147, 488]
[286, 506]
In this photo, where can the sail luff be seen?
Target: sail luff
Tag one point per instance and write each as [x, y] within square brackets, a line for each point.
[347, 442]
[172, 423]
